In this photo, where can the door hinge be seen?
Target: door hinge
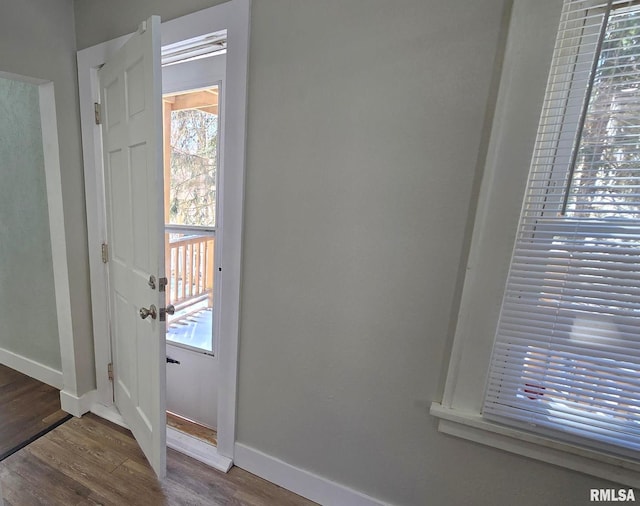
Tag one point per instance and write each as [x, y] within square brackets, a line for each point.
[105, 252]
[97, 111]
[110, 371]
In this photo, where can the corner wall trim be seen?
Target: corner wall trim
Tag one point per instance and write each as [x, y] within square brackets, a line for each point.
[304, 483]
[31, 368]
[77, 406]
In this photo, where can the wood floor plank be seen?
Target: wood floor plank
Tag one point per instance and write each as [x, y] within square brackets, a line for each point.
[118, 440]
[91, 450]
[177, 494]
[12, 493]
[91, 461]
[84, 468]
[27, 407]
[143, 487]
[7, 375]
[54, 417]
[48, 484]
[184, 472]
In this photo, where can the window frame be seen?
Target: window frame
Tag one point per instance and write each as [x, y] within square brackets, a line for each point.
[532, 31]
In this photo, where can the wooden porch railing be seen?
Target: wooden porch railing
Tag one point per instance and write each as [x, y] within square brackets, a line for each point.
[190, 262]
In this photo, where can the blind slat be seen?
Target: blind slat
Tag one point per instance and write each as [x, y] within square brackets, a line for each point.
[566, 358]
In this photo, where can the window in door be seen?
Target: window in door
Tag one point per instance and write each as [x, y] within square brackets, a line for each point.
[191, 142]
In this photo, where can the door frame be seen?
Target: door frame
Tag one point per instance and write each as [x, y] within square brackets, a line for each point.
[66, 379]
[234, 16]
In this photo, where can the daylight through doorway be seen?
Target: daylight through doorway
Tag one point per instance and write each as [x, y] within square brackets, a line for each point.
[191, 134]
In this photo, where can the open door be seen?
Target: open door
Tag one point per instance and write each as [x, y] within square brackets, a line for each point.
[131, 98]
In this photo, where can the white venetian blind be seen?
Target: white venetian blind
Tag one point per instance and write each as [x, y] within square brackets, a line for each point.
[566, 359]
[203, 46]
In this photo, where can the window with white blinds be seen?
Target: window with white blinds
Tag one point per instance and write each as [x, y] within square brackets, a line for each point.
[566, 359]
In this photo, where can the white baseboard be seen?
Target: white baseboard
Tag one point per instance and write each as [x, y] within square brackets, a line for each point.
[197, 449]
[31, 368]
[304, 483]
[77, 406]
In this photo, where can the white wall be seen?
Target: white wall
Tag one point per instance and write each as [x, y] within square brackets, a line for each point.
[37, 40]
[365, 121]
[367, 129]
[28, 319]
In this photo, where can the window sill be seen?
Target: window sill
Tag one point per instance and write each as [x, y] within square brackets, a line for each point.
[472, 426]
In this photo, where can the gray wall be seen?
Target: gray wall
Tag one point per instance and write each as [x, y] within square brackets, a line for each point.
[37, 40]
[366, 135]
[28, 319]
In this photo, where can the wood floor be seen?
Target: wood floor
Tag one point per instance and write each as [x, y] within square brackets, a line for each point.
[27, 407]
[192, 428]
[90, 461]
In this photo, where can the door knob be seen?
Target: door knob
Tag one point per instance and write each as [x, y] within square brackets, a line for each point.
[164, 311]
[152, 311]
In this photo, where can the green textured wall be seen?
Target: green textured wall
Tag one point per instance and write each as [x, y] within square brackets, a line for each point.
[28, 321]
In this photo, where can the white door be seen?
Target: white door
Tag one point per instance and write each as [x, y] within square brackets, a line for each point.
[130, 90]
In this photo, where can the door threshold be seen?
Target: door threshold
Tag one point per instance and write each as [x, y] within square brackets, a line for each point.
[176, 440]
[197, 449]
[192, 428]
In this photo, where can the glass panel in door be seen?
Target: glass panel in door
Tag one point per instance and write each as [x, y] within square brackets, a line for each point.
[191, 134]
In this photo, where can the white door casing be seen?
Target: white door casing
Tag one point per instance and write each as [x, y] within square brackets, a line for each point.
[234, 16]
[130, 92]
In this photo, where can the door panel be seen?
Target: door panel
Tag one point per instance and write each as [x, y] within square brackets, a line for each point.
[131, 86]
[192, 386]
